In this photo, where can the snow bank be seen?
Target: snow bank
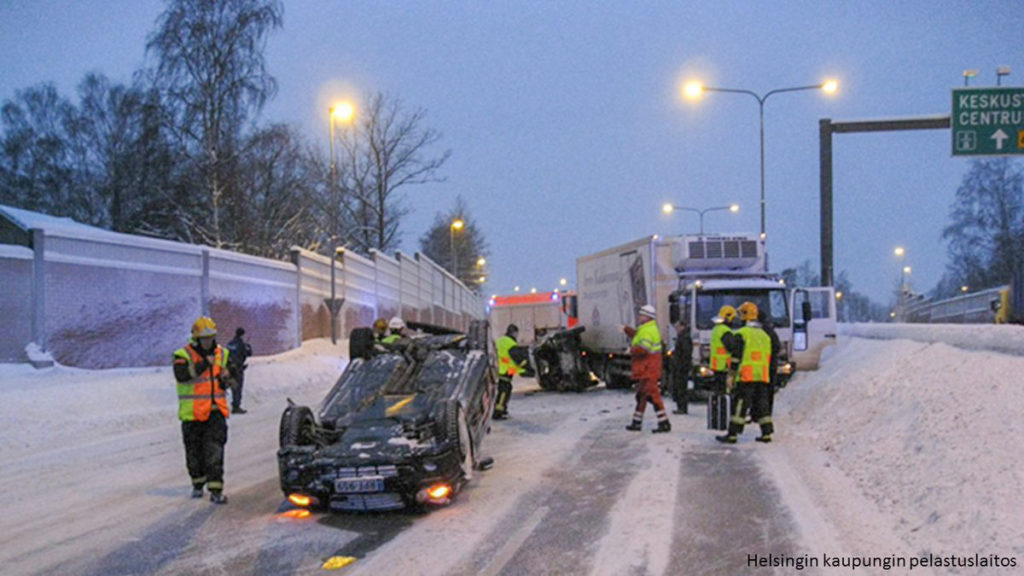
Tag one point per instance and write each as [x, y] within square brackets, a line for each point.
[1005, 338]
[926, 431]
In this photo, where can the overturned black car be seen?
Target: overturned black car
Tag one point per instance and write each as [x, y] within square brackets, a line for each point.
[401, 428]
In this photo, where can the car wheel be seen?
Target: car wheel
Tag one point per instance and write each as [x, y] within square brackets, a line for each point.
[457, 429]
[297, 426]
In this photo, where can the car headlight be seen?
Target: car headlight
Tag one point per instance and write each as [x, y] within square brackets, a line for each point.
[705, 372]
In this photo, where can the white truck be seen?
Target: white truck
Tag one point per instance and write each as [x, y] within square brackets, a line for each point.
[692, 276]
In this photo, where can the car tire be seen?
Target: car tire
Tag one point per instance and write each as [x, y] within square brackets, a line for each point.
[360, 343]
[297, 424]
[457, 430]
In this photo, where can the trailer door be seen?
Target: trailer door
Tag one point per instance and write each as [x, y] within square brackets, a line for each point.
[813, 324]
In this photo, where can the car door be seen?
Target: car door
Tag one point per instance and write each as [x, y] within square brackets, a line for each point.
[814, 324]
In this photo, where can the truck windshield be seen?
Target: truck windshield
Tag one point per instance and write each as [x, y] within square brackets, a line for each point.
[773, 302]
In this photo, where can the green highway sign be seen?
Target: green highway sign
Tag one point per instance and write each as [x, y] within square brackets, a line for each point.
[988, 121]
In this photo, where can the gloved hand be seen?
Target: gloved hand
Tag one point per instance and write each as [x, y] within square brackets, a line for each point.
[202, 366]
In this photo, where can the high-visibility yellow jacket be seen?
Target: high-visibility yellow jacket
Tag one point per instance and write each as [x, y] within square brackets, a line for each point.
[757, 354]
[506, 365]
[645, 352]
[720, 357]
[198, 396]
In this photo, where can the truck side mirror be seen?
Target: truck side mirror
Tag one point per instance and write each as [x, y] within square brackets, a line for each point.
[805, 310]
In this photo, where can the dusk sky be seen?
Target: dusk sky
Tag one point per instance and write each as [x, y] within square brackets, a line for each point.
[567, 125]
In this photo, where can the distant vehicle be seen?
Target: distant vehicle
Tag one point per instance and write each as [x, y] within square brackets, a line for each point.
[692, 276]
[401, 427]
[547, 325]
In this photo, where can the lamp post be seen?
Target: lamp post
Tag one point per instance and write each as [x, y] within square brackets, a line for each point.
[694, 89]
[899, 252]
[668, 208]
[344, 112]
[456, 226]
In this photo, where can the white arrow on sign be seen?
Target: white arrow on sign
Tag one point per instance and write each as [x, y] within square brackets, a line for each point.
[999, 137]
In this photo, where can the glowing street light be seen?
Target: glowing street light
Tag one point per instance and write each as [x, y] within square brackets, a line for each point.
[669, 208]
[694, 89]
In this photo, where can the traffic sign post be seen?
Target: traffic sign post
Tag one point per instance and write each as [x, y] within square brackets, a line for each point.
[988, 121]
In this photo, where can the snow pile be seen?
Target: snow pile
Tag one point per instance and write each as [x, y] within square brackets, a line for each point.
[926, 431]
[1004, 338]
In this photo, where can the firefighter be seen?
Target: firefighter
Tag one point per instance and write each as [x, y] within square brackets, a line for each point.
[507, 369]
[773, 373]
[682, 365]
[646, 355]
[201, 369]
[752, 345]
[380, 330]
[396, 331]
[720, 359]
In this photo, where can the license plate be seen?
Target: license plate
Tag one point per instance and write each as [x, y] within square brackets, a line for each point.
[359, 485]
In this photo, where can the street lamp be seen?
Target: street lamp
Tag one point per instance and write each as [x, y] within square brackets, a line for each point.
[456, 226]
[668, 208]
[899, 252]
[343, 112]
[694, 89]
[1000, 72]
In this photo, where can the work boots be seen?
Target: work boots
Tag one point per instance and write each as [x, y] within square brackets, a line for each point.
[663, 426]
[726, 438]
[634, 426]
[218, 498]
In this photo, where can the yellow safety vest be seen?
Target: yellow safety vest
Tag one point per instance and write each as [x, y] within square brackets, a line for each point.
[506, 366]
[197, 397]
[757, 354]
[720, 357]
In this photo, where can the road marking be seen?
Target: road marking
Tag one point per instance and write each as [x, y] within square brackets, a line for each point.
[515, 541]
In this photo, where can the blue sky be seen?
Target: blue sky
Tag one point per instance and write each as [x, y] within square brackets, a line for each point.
[566, 123]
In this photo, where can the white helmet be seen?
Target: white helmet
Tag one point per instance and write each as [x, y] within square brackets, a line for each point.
[396, 323]
[648, 310]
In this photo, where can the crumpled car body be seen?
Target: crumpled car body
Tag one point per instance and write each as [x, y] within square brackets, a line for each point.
[400, 428]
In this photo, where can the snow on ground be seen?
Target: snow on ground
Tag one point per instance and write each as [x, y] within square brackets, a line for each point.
[899, 445]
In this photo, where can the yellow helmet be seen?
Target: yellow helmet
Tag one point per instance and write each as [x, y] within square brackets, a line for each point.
[204, 327]
[727, 313]
[748, 311]
[380, 325]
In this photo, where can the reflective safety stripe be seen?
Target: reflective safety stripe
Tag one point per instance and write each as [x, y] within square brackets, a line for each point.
[648, 337]
[719, 355]
[198, 397]
[757, 351]
[220, 394]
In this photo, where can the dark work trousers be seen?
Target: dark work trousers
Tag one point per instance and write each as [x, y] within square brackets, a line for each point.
[204, 450]
[504, 394]
[761, 407]
[680, 373]
[236, 388]
[720, 382]
[749, 397]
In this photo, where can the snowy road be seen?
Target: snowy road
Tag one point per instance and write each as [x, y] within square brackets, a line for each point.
[94, 474]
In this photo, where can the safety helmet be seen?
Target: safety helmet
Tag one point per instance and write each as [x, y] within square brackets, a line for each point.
[748, 311]
[648, 310]
[380, 325]
[204, 327]
[727, 313]
[396, 323]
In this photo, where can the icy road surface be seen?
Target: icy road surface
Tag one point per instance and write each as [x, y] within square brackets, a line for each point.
[876, 456]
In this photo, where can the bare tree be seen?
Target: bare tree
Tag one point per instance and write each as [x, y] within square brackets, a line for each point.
[384, 153]
[213, 75]
[34, 168]
[986, 228]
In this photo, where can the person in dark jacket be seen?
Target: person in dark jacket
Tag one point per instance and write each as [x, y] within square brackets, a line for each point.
[240, 352]
[773, 369]
[682, 366]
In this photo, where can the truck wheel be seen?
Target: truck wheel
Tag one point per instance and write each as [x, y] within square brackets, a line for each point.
[297, 426]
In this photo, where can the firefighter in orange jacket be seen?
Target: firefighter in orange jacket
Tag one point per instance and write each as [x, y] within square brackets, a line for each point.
[645, 353]
[201, 369]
